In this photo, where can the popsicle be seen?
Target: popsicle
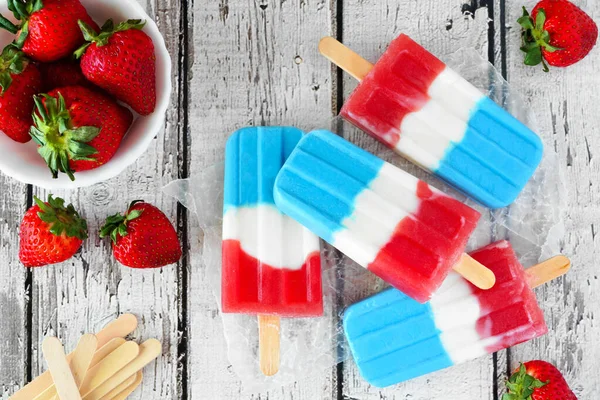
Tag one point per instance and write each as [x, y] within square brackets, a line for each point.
[271, 264]
[415, 104]
[400, 228]
[393, 338]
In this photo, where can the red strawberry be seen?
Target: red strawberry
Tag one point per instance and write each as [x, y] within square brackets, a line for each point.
[143, 237]
[62, 73]
[78, 129]
[538, 380]
[48, 30]
[20, 80]
[121, 61]
[558, 32]
[50, 233]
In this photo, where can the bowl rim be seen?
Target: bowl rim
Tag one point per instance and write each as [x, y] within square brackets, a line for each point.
[156, 122]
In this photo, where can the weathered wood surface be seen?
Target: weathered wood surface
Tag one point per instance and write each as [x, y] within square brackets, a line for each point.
[253, 62]
[564, 102]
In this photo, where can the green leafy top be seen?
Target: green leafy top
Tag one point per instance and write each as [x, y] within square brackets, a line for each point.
[59, 141]
[117, 224]
[521, 385]
[535, 38]
[107, 30]
[12, 62]
[62, 219]
[22, 10]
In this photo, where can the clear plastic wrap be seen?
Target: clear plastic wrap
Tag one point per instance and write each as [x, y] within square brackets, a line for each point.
[310, 346]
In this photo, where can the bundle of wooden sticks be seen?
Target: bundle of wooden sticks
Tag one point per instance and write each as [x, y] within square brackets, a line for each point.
[104, 366]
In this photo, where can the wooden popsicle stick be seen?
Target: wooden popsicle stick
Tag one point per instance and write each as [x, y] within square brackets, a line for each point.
[82, 357]
[108, 348]
[129, 389]
[546, 271]
[149, 351]
[345, 58]
[121, 327]
[269, 343]
[105, 369]
[120, 388]
[55, 356]
[475, 272]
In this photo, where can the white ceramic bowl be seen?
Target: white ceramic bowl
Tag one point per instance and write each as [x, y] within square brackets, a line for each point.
[22, 162]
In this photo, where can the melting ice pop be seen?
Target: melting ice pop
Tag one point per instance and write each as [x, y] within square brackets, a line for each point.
[394, 339]
[406, 232]
[415, 104]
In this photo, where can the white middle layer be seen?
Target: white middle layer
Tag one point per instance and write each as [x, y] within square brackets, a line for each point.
[269, 236]
[456, 311]
[377, 211]
[426, 135]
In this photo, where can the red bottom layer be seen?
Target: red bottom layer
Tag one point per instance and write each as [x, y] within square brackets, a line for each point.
[252, 287]
[510, 311]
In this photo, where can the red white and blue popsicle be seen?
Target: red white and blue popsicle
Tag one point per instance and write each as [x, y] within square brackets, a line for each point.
[415, 104]
[406, 232]
[393, 338]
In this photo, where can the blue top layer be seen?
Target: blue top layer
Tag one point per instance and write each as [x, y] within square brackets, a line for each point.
[253, 157]
[394, 338]
[496, 158]
[319, 183]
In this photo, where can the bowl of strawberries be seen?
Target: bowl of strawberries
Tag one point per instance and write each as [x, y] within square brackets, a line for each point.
[80, 103]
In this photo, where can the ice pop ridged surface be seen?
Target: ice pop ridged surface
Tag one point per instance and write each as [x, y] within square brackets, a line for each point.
[271, 264]
[383, 218]
[426, 112]
[394, 338]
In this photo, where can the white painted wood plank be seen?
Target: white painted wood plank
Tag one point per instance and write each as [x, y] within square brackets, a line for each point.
[442, 27]
[253, 63]
[565, 104]
[13, 324]
[84, 293]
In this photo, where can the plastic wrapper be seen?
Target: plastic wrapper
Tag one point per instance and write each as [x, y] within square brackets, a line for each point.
[311, 346]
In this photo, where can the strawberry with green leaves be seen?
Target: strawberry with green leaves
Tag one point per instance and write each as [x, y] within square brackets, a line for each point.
[121, 60]
[143, 237]
[78, 129]
[538, 380]
[557, 33]
[50, 233]
[20, 80]
[47, 29]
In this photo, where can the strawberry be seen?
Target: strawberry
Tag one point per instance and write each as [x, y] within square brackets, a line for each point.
[121, 60]
[62, 73]
[143, 237]
[20, 80]
[538, 380]
[50, 233]
[558, 33]
[78, 129]
[48, 29]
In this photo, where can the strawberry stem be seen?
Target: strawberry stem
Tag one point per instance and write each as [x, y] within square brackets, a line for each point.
[8, 25]
[62, 220]
[59, 141]
[108, 29]
[535, 39]
[116, 225]
[12, 62]
[521, 385]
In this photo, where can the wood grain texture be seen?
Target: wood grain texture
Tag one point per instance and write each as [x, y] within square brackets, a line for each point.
[86, 292]
[442, 27]
[253, 63]
[564, 102]
[13, 295]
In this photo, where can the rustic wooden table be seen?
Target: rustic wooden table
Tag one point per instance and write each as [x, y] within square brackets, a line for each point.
[241, 62]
